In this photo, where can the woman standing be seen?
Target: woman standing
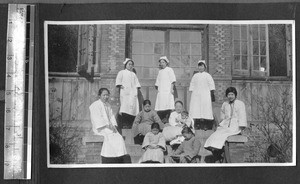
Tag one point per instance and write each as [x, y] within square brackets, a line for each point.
[202, 87]
[165, 82]
[128, 83]
[233, 120]
[104, 124]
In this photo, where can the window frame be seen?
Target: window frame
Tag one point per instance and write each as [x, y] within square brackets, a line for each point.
[250, 73]
[203, 28]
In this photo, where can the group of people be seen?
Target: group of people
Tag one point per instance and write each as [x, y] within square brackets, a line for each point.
[150, 128]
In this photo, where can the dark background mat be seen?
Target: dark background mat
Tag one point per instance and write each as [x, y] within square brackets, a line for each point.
[129, 11]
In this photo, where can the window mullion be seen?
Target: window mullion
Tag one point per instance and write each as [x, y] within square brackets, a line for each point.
[250, 49]
[267, 50]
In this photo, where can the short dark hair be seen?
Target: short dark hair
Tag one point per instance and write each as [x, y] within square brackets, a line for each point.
[178, 101]
[146, 102]
[187, 130]
[155, 125]
[231, 90]
[101, 91]
[185, 112]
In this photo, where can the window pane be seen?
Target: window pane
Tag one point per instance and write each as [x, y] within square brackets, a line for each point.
[262, 32]
[149, 61]
[185, 49]
[148, 48]
[244, 48]
[236, 32]
[174, 36]
[159, 48]
[236, 45]
[196, 49]
[255, 63]
[244, 32]
[185, 36]
[236, 63]
[138, 60]
[174, 48]
[277, 50]
[262, 48]
[185, 61]
[195, 37]
[137, 48]
[255, 48]
[255, 32]
[175, 61]
[62, 46]
[244, 62]
[263, 62]
[137, 35]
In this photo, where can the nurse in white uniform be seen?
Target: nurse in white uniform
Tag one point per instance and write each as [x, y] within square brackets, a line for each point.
[165, 82]
[104, 124]
[128, 83]
[233, 121]
[202, 88]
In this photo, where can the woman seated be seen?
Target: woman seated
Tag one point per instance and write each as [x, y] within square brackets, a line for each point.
[104, 124]
[233, 120]
[178, 119]
[143, 121]
[154, 145]
[188, 150]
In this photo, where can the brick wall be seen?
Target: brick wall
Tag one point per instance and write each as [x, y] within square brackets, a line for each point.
[220, 57]
[112, 48]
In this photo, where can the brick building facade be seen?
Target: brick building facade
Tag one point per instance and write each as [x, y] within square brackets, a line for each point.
[111, 44]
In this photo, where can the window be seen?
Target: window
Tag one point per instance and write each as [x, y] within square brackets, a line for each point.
[62, 48]
[183, 47]
[259, 50]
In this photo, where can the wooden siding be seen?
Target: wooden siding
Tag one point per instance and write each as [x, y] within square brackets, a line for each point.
[70, 98]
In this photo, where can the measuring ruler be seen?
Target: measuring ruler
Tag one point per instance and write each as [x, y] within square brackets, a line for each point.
[18, 92]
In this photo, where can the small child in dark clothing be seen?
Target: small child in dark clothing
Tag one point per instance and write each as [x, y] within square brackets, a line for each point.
[187, 151]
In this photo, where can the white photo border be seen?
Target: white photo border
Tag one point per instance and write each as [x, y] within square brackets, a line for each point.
[99, 165]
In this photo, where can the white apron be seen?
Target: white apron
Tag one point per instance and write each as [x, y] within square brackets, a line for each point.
[165, 99]
[101, 115]
[200, 104]
[234, 117]
[128, 95]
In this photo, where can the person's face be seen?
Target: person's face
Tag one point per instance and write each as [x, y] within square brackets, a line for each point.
[162, 64]
[187, 136]
[147, 108]
[178, 107]
[129, 65]
[154, 131]
[201, 68]
[231, 96]
[104, 96]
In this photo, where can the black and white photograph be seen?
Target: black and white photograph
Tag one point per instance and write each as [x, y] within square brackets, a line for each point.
[161, 93]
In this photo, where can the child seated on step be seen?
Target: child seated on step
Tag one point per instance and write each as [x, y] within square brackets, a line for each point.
[143, 121]
[182, 121]
[154, 145]
[187, 151]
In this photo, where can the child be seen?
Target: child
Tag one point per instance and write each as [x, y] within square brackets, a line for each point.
[154, 144]
[188, 150]
[185, 120]
[143, 121]
[171, 132]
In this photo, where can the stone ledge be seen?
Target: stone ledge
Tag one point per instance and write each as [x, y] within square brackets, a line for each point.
[237, 139]
[92, 138]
